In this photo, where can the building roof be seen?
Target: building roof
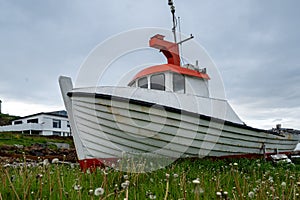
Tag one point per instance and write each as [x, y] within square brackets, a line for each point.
[60, 113]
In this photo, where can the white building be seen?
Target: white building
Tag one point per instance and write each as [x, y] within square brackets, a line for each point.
[50, 123]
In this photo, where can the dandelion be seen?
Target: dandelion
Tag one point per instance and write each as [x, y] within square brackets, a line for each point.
[251, 195]
[235, 164]
[270, 179]
[46, 162]
[77, 187]
[125, 177]
[91, 192]
[283, 184]
[39, 176]
[219, 194]
[175, 175]
[125, 184]
[6, 165]
[152, 196]
[55, 160]
[99, 191]
[196, 181]
[167, 176]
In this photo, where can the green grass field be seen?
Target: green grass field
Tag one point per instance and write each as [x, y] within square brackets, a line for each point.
[185, 179]
[28, 140]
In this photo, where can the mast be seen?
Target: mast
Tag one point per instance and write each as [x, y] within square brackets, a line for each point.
[172, 7]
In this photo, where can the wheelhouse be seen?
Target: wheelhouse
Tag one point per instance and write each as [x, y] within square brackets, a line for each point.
[172, 77]
[194, 82]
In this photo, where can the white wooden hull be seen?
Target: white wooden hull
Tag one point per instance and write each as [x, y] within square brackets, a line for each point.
[105, 126]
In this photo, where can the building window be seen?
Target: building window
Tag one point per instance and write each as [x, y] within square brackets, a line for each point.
[56, 133]
[18, 122]
[143, 82]
[178, 83]
[157, 82]
[35, 120]
[56, 123]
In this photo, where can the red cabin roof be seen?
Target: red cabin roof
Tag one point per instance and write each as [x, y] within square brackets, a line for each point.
[172, 68]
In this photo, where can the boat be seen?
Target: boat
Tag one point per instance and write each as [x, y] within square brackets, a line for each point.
[165, 112]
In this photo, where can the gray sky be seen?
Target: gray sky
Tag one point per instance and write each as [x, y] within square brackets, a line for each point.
[255, 44]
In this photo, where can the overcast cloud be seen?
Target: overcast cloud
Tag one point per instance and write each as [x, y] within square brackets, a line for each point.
[255, 44]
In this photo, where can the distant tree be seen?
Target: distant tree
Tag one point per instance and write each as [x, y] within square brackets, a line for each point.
[6, 119]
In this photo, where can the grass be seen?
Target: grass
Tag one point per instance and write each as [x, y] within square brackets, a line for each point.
[27, 140]
[184, 179]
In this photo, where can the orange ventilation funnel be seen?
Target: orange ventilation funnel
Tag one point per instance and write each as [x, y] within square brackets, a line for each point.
[169, 49]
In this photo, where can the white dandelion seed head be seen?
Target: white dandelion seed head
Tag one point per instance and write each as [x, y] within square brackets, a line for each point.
[46, 162]
[196, 181]
[283, 184]
[152, 196]
[235, 164]
[55, 161]
[6, 165]
[175, 175]
[39, 176]
[251, 194]
[99, 191]
[91, 192]
[167, 176]
[77, 187]
[219, 194]
[125, 184]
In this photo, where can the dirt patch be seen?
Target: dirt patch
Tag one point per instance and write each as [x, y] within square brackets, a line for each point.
[15, 153]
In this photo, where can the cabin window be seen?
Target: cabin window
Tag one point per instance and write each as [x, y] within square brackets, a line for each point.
[157, 82]
[178, 83]
[132, 84]
[143, 82]
[18, 122]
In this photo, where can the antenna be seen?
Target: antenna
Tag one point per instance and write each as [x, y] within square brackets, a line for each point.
[179, 29]
[172, 7]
